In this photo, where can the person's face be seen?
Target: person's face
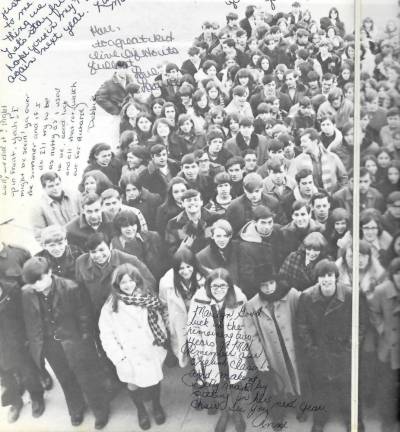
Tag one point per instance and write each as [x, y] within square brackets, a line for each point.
[307, 145]
[144, 124]
[232, 23]
[371, 166]
[268, 287]
[327, 127]
[90, 184]
[192, 205]
[250, 162]
[202, 102]
[100, 254]
[349, 257]
[213, 93]
[185, 271]
[221, 238]
[394, 209]
[133, 161]
[177, 192]
[264, 226]
[383, 160]
[349, 137]
[190, 171]
[224, 190]
[219, 288]
[129, 231]
[346, 74]
[255, 196]
[240, 100]
[372, 106]
[363, 261]
[364, 122]
[156, 92]
[131, 192]
[127, 285]
[234, 126]
[290, 81]
[301, 218]
[253, 45]
[270, 88]
[264, 64]
[235, 172]
[162, 130]
[170, 112]
[172, 75]
[278, 178]
[306, 186]
[244, 80]
[349, 94]
[43, 283]
[327, 284]
[56, 248]
[321, 208]
[186, 126]
[103, 158]
[157, 109]
[215, 146]
[242, 40]
[340, 226]
[161, 159]
[112, 206]
[53, 188]
[330, 33]
[312, 254]
[204, 163]
[327, 85]
[271, 44]
[336, 102]
[121, 74]
[365, 183]
[218, 119]
[370, 231]
[246, 131]
[92, 213]
[393, 175]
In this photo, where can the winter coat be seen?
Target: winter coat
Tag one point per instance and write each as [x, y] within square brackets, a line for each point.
[176, 315]
[202, 339]
[257, 254]
[112, 171]
[111, 95]
[127, 339]
[211, 258]
[166, 212]
[147, 203]
[259, 143]
[65, 265]
[265, 348]
[293, 236]
[385, 316]
[97, 281]
[154, 181]
[71, 316]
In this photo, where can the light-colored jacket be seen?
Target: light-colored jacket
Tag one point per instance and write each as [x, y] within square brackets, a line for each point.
[128, 342]
[202, 341]
[266, 348]
[176, 316]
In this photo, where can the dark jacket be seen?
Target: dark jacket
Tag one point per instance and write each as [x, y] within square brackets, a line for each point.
[110, 96]
[211, 258]
[65, 265]
[293, 236]
[154, 181]
[181, 227]
[96, 281]
[78, 231]
[284, 101]
[147, 203]
[257, 255]
[12, 259]
[324, 334]
[148, 248]
[166, 212]
[71, 314]
[240, 211]
[112, 171]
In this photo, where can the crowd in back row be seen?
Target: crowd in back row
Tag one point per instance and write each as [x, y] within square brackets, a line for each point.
[231, 187]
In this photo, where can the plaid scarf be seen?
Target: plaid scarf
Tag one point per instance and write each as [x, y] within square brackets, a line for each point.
[153, 306]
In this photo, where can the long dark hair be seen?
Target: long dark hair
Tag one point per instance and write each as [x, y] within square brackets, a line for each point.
[185, 255]
[221, 273]
[118, 274]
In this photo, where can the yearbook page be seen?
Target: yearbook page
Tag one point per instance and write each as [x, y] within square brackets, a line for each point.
[176, 224]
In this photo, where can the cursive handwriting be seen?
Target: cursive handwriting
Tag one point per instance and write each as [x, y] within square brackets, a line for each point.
[107, 4]
[233, 3]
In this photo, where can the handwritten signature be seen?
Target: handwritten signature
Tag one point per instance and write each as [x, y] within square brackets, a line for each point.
[234, 3]
[104, 4]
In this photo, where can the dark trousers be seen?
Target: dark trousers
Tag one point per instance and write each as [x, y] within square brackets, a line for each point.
[77, 369]
[388, 396]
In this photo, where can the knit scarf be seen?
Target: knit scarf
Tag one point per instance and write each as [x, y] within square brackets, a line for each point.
[242, 143]
[153, 306]
[326, 170]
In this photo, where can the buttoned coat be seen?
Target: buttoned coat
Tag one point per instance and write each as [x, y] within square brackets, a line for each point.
[266, 348]
[97, 281]
[128, 342]
[201, 337]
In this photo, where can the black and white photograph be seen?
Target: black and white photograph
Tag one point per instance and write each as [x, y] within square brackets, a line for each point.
[194, 197]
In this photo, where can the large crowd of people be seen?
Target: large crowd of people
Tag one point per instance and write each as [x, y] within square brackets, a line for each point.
[216, 234]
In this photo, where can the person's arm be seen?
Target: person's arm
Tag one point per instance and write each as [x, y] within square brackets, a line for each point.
[109, 340]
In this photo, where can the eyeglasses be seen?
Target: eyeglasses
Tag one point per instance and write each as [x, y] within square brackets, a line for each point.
[219, 286]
